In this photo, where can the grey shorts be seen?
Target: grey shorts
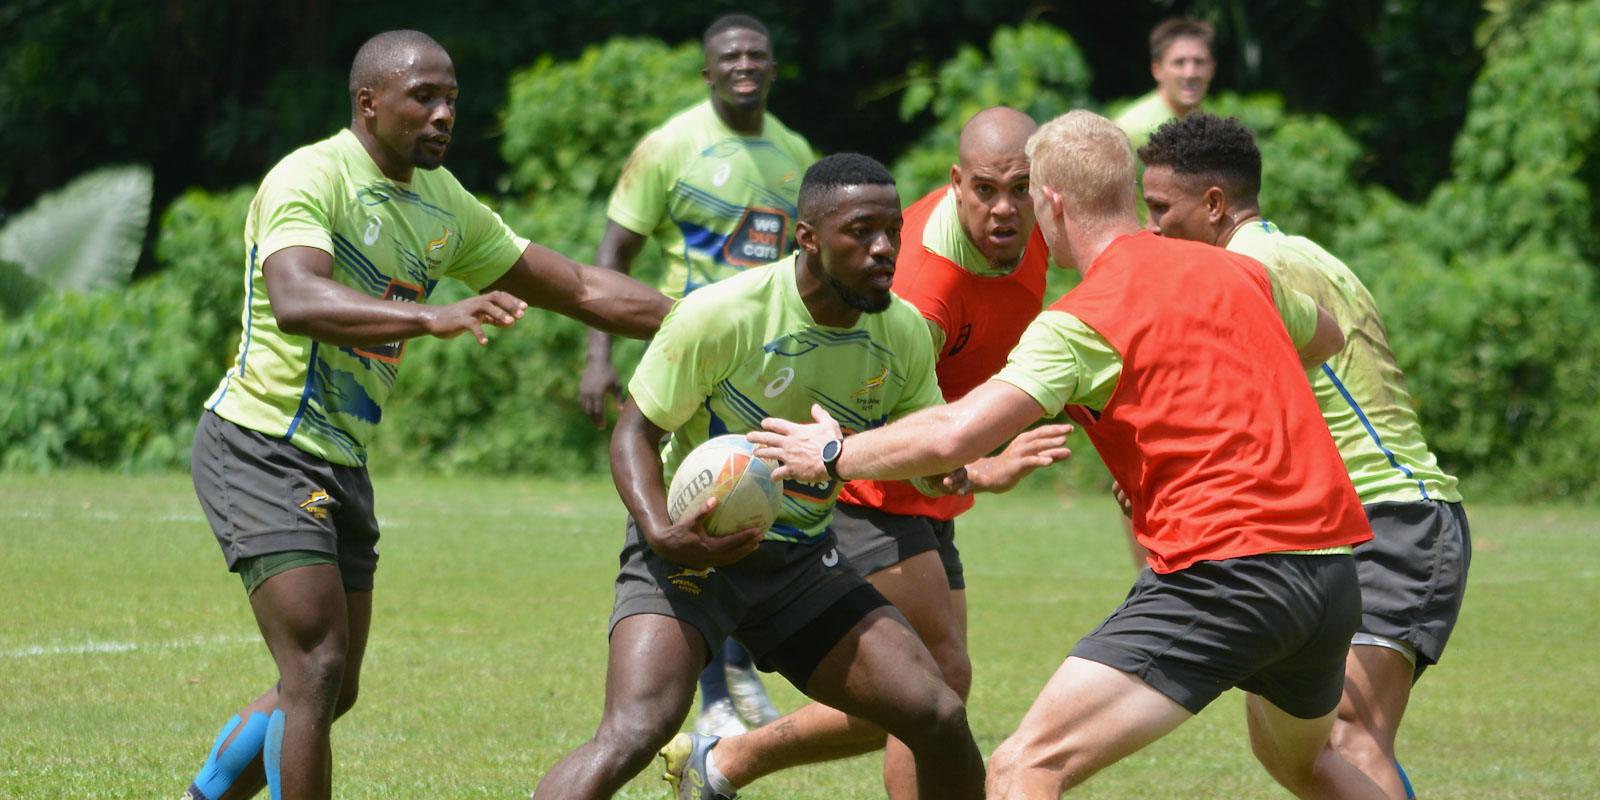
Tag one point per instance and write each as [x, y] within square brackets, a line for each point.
[1414, 574]
[874, 540]
[788, 604]
[1276, 625]
[263, 495]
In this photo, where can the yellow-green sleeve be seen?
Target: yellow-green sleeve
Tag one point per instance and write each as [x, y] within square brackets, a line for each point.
[490, 249]
[640, 197]
[292, 209]
[1298, 310]
[1061, 361]
[679, 369]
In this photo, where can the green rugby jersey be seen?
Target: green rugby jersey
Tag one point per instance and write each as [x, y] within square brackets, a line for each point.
[1360, 390]
[1141, 118]
[746, 348]
[389, 240]
[715, 200]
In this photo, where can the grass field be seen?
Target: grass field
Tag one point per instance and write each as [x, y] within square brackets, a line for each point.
[124, 645]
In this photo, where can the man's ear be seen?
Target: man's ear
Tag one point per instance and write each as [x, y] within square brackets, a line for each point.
[1055, 204]
[365, 98]
[1216, 202]
[705, 75]
[805, 237]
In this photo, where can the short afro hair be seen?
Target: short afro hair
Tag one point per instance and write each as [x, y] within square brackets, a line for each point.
[733, 22]
[835, 172]
[384, 55]
[1205, 146]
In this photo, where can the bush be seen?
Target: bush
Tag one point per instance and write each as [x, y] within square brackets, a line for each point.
[118, 378]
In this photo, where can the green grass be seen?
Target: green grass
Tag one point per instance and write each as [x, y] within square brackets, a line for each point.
[124, 644]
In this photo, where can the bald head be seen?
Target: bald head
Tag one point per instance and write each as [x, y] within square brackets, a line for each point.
[386, 55]
[997, 131]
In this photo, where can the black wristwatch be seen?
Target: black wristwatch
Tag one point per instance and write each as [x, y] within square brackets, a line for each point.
[830, 457]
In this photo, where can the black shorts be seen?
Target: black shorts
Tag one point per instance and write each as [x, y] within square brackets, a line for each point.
[263, 495]
[1414, 573]
[1276, 625]
[875, 540]
[788, 604]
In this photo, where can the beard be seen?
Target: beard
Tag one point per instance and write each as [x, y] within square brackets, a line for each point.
[866, 304]
[422, 159]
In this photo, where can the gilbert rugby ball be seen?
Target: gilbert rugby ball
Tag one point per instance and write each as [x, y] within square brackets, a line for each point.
[726, 467]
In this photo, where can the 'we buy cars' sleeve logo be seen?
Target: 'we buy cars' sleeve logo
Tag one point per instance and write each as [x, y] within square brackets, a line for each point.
[761, 238]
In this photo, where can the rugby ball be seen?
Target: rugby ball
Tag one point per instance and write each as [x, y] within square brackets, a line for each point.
[726, 467]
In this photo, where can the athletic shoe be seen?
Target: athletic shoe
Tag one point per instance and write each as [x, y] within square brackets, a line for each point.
[718, 718]
[750, 697]
[685, 758]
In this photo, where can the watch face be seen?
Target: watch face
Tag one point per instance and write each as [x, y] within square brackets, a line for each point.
[830, 451]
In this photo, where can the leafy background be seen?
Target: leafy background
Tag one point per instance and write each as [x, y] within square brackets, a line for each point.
[1447, 153]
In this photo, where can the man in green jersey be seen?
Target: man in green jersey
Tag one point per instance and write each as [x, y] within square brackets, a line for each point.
[344, 242]
[1182, 65]
[1201, 179]
[715, 187]
[818, 327]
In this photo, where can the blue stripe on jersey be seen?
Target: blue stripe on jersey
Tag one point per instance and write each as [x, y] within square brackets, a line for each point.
[707, 201]
[372, 281]
[795, 534]
[704, 241]
[749, 412]
[305, 393]
[244, 350]
[334, 435]
[1337, 384]
[379, 193]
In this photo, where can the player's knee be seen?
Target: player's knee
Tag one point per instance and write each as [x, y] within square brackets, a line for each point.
[630, 737]
[939, 720]
[1015, 768]
[956, 667]
[316, 678]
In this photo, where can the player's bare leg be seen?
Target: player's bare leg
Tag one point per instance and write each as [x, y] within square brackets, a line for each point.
[815, 732]
[1298, 755]
[317, 634]
[252, 778]
[879, 671]
[920, 588]
[650, 680]
[1377, 687]
[1087, 717]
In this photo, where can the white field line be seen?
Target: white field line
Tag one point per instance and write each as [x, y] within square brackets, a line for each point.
[92, 647]
[113, 516]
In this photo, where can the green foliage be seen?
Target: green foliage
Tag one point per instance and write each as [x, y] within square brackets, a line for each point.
[117, 378]
[569, 125]
[84, 236]
[1034, 68]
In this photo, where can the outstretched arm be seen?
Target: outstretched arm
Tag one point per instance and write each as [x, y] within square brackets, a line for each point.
[618, 248]
[596, 297]
[636, 471]
[932, 441]
[307, 301]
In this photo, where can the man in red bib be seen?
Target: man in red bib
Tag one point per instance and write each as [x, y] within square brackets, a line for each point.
[1184, 364]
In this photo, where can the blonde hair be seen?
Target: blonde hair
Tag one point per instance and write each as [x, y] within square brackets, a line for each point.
[1088, 159]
